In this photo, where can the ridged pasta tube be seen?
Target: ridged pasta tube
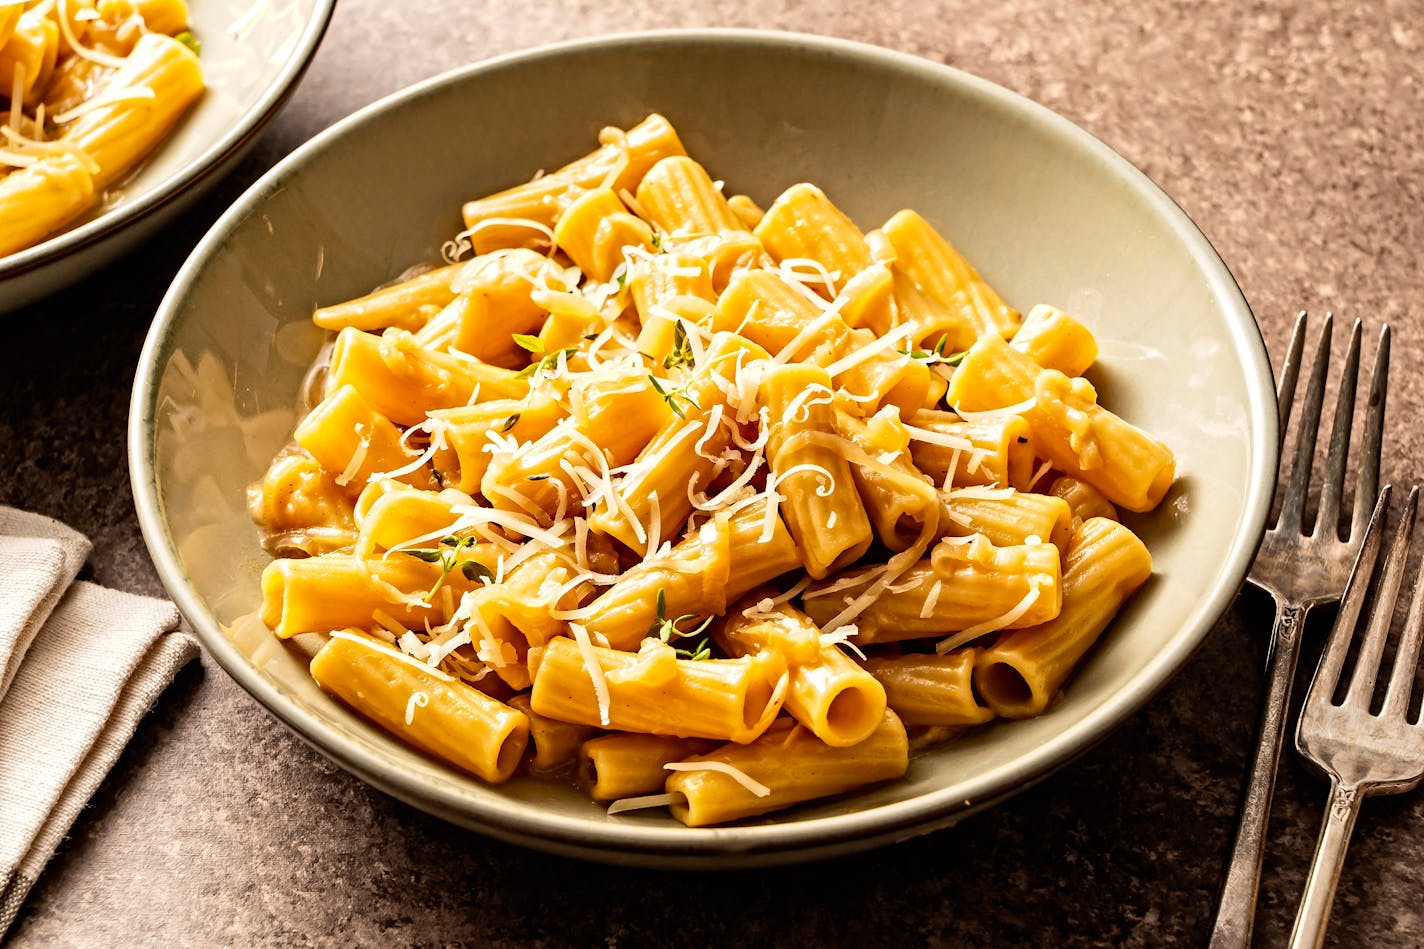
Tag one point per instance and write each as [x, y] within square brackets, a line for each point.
[999, 451]
[1020, 674]
[828, 693]
[1055, 340]
[1008, 520]
[652, 692]
[595, 228]
[822, 507]
[619, 163]
[951, 298]
[406, 382]
[1084, 500]
[120, 133]
[346, 435]
[896, 496]
[626, 764]
[680, 198]
[439, 715]
[554, 744]
[962, 586]
[792, 765]
[803, 223]
[930, 689]
[406, 304]
[38, 200]
[334, 591]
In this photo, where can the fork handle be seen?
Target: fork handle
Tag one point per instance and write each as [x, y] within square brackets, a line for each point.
[1236, 912]
[1335, 832]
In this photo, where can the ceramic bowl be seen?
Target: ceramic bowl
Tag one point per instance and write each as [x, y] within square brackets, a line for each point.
[254, 52]
[1046, 212]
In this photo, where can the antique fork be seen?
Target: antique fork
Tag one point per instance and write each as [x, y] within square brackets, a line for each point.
[1362, 753]
[1300, 571]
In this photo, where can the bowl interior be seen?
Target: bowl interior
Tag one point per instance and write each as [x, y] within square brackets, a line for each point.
[1046, 213]
[252, 54]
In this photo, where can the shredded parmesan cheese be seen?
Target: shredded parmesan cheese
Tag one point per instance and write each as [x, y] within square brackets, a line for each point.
[721, 767]
[595, 671]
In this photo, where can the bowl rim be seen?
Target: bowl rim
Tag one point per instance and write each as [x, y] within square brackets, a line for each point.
[677, 846]
[127, 213]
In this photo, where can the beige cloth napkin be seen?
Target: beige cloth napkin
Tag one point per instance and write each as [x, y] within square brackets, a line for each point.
[80, 665]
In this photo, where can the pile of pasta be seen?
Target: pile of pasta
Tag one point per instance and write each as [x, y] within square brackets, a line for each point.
[727, 508]
[87, 89]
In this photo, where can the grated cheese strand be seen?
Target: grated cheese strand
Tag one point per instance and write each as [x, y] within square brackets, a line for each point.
[951, 643]
[721, 767]
[595, 671]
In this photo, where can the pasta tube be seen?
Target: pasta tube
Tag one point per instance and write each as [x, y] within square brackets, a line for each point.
[345, 434]
[803, 224]
[679, 197]
[406, 382]
[555, 744]
[1007, 518]
[406, 304]
[930, 689]
[1084, 500]
[968, 587]
[828, 693]
[654, 693]
[620, 163]
[1020, 674]
[949, 297]
[118, 134]
[335, 591]
[627, 764]
[716, 565]
[822, 507]
[595, 228]
[998, 450]
[896, 495]
[469, 429]
[438, 714]
[791, 765]
[1055, 340]
[38, 200]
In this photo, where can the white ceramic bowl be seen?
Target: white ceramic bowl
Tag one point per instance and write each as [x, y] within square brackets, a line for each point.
[1047, 213]
[253, 55]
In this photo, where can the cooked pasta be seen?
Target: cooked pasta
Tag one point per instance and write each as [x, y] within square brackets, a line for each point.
[707, 503]
[87, 90]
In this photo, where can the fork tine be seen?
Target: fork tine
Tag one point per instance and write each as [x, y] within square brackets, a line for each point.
[1368, 483]
[1322, 687]
[1367, 663]
[1290, 371]
[1406, 657]
[1334, 485]
[1293, 507]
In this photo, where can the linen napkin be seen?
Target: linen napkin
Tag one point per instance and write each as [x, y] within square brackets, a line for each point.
[80, 665]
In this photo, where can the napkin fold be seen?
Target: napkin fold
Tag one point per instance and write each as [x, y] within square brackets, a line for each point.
[80, 665]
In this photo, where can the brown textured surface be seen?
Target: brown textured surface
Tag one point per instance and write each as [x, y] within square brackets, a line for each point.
[1292, 132]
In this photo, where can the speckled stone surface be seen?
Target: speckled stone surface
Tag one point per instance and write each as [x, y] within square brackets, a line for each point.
[1292, 132]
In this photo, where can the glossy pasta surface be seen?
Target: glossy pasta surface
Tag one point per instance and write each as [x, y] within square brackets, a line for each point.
[706, 507]
[88, 88]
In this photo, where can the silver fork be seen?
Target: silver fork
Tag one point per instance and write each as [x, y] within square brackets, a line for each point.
[1361, 753]
[1300, 571]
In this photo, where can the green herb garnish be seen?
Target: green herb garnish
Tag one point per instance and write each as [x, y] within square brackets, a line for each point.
[674, 397]
[681, 354]
[189, 40]
[447, 555]
[666, 630]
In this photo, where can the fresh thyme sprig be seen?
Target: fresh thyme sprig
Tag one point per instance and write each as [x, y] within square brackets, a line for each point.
[666, 630]
[681, 354]
[547, 361]
[447, 555]
[935, 355]
[673, 397]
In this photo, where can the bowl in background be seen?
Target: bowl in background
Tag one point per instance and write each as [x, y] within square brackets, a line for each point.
[1045, 211]
[254, 53]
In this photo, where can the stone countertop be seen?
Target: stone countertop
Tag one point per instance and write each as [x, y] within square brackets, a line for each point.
[1290, 130]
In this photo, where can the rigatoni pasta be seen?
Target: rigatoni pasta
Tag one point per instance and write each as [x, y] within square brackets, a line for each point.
[87, 92]
[705, 503]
